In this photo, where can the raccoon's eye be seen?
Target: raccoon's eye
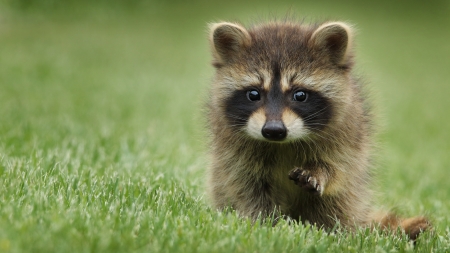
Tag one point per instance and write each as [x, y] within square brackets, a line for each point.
[253, 95]
[300, 96]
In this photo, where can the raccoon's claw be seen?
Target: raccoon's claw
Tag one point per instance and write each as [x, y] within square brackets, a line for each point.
[306, 181]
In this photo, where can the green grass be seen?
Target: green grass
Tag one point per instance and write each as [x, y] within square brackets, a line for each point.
[102, 140]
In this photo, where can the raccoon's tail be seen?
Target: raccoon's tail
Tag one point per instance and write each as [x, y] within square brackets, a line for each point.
[411, 226]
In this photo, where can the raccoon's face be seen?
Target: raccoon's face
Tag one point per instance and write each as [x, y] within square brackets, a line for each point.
[280, 83]
[278, 111]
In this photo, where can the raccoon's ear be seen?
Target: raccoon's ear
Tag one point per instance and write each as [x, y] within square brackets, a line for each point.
[336, 39]
[227, 40]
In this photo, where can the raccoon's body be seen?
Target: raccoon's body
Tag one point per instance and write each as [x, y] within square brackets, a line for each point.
[291, 133]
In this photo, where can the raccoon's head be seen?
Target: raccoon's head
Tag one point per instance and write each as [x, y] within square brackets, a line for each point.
[281, 82]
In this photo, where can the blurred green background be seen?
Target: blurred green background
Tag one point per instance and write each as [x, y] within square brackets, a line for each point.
[117, 88]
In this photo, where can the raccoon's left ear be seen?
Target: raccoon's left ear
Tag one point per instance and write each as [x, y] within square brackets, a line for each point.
[336, 39]
[227, 40]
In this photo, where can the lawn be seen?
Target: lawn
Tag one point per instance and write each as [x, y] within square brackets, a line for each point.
[103, 144]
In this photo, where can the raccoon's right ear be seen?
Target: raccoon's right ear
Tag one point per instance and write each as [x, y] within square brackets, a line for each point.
[227, 40]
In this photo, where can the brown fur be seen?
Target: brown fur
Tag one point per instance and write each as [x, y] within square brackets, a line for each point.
[317, 176]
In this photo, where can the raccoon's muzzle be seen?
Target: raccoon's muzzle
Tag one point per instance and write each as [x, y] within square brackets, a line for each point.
[274, 130]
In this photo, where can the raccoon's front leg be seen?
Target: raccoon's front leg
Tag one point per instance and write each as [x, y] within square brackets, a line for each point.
[312, 181]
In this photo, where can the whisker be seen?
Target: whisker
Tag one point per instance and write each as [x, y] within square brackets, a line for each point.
[321, 111]
[329, 126]
[236, 117]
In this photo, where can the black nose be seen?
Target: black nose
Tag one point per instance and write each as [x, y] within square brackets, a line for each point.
[274, 130]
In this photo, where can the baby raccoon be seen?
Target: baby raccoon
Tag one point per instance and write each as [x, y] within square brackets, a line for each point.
[291, 132]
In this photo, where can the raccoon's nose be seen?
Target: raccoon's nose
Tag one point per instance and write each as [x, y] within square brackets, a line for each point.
[274, 130]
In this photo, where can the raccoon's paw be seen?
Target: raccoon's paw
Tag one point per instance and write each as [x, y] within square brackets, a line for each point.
[306, 181]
